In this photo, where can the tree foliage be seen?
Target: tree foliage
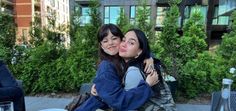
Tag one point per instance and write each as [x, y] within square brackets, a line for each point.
[143, 20]
[36, 32]
[169, 40]
[193, 40]
[227, 48]
[7, 36]
[205, 72]
[123, 22]
[49, 67]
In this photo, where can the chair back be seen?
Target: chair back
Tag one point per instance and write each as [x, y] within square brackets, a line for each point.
[216, 97]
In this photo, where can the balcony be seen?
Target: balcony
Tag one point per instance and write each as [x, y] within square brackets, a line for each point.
[226, 7]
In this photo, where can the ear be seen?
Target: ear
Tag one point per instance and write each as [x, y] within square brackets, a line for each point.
[102, 47]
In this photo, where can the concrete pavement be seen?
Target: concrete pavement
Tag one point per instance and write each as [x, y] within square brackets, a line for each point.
[40, 103]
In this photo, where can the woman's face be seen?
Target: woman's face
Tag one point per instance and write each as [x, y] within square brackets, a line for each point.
[110, 44]
[129, 47]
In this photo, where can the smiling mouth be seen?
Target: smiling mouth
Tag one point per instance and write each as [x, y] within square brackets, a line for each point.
[111, 48]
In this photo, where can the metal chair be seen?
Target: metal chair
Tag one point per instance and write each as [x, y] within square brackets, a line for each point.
[217, 95]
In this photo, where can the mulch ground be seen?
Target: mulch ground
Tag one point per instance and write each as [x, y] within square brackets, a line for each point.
[201, 99]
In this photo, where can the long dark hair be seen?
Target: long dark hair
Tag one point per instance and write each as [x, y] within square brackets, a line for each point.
[115, 59]
[143, 45]
[138, 62]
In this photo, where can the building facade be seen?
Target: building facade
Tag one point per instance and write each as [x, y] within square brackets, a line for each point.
[212, 11]
[25, 11]
[58, 12]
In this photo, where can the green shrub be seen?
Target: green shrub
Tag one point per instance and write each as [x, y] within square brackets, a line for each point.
[202, 75]
[227, 48]
[7, 36]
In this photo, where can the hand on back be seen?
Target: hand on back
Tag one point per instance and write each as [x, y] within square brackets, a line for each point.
[149, 65]
[94, 91]
[152, 78]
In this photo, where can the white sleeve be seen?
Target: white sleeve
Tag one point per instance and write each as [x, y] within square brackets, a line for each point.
[133, 77]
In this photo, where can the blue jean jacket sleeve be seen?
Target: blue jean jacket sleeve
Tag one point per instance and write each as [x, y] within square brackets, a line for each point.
[111, 91]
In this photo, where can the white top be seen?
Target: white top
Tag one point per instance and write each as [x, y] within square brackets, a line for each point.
[132, 78]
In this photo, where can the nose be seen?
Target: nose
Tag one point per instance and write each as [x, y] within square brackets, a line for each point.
[123, 44]
[110, 42]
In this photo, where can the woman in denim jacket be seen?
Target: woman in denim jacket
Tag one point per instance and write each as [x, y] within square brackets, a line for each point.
[108, 80]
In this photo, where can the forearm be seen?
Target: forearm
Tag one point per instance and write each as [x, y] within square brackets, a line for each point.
[119, 99]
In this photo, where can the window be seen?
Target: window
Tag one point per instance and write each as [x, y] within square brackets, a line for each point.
[52, 3]
[85, 17]
[161, 12]
[226, 6]
[219, 20]
[134, 10]
[189, 10]
[112, 13]
[132, 14]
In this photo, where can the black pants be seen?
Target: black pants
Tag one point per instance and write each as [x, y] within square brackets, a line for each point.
[14, 94]
[10, 90]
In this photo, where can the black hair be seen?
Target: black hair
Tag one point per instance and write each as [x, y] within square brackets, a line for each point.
[115, 59]
[138, 62]
[143, 45]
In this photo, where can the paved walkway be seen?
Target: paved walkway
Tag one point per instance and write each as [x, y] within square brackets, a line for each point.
[40, 103]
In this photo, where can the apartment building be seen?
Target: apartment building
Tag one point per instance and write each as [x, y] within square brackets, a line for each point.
[45, 10]
[226, 7]
[24, 15]
[57, 10]
[215, 12]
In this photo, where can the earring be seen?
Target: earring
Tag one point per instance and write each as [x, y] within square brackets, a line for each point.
[138, 54]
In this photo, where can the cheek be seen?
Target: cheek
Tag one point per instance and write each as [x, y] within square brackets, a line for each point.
[132, 51]
[103, 46]
[118, 43]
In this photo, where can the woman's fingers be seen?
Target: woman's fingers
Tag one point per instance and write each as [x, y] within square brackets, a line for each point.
[149, 65]
[149, 68]
[152, 78]
[93, 90]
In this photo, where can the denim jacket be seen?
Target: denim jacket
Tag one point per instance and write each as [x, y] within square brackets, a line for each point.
[111, 92]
